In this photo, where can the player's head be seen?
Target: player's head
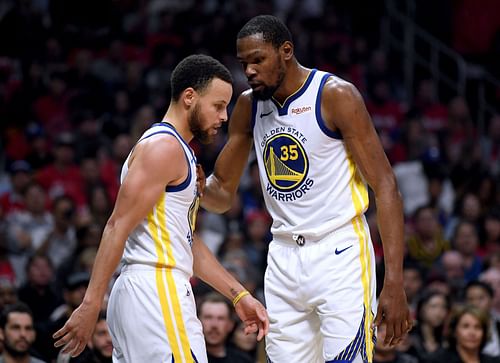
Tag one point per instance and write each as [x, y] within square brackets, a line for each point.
[264, 45]
[204, 86]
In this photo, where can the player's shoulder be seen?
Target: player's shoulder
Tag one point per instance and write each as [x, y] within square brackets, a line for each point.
[246, 97]
[337, 89]
[159, 145]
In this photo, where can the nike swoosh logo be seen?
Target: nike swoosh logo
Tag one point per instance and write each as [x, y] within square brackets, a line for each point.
[338, 252]
[266, 114]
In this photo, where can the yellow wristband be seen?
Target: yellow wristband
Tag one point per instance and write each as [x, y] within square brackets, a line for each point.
[240, 296]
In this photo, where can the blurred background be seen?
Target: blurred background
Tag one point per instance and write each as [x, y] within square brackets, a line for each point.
[81, 80]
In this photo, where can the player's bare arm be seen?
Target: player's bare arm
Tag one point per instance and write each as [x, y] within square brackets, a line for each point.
[154, 164]
[250, 310]
[343, 108]
[222, 185]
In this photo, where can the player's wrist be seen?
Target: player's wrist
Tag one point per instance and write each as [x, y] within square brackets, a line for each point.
[240, 296]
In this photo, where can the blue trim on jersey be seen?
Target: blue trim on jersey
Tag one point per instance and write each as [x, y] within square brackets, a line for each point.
[321, 122]
[254, 113]
[171, 127]
[283, 110]
[184, 184]
[187, 181]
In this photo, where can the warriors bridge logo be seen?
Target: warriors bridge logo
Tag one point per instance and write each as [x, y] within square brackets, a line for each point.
[286, 166]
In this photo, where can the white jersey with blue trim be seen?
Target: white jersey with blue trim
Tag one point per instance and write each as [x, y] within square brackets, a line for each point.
[310, 182]
[164, 238]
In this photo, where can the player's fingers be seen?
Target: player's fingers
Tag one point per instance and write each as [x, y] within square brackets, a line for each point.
[251, 328]
[63, 341]
[261, 332]
[78, 349]
[398, 332]
[60, 332]
[70, 346]
[389, 334]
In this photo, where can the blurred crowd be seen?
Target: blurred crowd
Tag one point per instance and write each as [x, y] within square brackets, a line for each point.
[80, 83]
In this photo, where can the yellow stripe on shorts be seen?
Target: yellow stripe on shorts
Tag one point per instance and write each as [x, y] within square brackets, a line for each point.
[172, 314]
[360, 199]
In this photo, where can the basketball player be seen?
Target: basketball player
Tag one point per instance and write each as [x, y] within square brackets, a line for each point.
[315, 147]
[151, 310]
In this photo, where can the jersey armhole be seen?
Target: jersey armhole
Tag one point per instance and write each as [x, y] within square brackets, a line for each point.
[321, 122]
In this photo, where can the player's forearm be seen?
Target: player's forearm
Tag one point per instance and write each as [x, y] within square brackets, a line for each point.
[107, 259]
[207, 268]
[215, 197]
[391, 228]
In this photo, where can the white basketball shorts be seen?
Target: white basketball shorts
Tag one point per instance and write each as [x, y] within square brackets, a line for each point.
[320, 297]
[152, 317]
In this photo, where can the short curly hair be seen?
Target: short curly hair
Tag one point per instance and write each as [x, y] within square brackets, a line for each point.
[272, 29]
[197, 71]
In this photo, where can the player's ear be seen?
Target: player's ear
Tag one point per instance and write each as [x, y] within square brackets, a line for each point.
[286, 50]
[188, 96]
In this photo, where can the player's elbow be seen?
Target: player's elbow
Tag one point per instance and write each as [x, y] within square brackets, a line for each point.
[388, 188]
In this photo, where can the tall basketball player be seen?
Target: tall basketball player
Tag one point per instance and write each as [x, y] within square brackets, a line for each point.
[316, 147]
[151, 310]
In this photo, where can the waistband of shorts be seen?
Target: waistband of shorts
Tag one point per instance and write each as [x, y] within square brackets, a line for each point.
[140, 267]
[291, 240]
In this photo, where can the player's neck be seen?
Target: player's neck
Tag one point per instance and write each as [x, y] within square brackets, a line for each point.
[295, 77]
[178, 119]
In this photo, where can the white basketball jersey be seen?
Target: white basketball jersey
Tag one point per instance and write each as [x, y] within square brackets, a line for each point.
[310, 182]
[164, 237]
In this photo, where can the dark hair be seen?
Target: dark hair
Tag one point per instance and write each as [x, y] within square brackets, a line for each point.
[18, 307]
[485, 286]
[272, 29]
[215, 297]
[197, 71]
[458, 314]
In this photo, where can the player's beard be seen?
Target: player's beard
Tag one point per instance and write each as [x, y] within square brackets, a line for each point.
[268, 91]
[195, 125]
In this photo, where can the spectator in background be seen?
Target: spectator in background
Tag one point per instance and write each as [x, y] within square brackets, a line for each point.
[452, 264]
[435, 114]
[480, 295]
[468, 209]
[492, 277]
[428, 335]
[466, 242]
[52, 108]
[63, 176]
[427, 243]
[467, 336]
[215, 314]
[60, 243]
[20, 178]
[38, 292]
[490, 146]
[491, 232]
[26, 230]
[413, 282]
[18, 334]
[111, 167]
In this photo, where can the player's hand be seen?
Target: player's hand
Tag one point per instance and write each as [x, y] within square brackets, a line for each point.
[75, 334]
[200, 180]
[394, 313]
[254, 316]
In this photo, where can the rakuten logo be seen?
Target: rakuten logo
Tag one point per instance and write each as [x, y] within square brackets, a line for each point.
[299, 110]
